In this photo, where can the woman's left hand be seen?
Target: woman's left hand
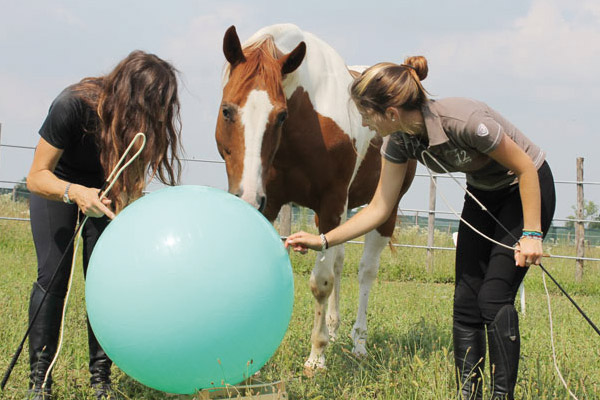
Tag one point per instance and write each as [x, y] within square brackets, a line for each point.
[528, 251]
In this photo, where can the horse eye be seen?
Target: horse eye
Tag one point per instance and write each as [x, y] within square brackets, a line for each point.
[227, 113]
[281, 117]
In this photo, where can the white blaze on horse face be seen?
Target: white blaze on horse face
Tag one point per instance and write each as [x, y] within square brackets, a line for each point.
[254, 119]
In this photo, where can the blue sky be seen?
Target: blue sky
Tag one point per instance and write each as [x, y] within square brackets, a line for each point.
[535, 62]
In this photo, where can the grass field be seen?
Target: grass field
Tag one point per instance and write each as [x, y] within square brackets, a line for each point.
[410, 344]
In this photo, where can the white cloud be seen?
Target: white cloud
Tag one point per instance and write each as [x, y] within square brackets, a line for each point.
[593, 8]
[556, 45]
[67, 16]
[200, 44]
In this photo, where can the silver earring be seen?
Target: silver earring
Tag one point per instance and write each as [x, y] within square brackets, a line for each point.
[393, 119]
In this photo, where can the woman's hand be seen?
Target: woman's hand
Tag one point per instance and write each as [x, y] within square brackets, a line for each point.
[88, 201]
[528, 251]
[302, 241]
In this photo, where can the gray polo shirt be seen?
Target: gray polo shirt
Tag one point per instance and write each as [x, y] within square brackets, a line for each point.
[460, 134]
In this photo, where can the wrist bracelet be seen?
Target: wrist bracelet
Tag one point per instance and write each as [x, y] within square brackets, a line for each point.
[535, 237]
[324, 242]
[531, 233]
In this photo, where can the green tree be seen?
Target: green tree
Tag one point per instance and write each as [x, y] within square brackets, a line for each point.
[591, 211]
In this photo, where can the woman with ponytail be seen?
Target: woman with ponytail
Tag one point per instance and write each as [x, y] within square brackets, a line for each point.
[88, 127]
[505, 171]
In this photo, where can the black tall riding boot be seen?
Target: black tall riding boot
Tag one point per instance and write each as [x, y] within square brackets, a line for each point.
[99, 368]
[505, 347]
[469, 358]
[43, 340]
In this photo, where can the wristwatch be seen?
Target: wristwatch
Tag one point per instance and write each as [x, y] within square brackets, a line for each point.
[66, 198]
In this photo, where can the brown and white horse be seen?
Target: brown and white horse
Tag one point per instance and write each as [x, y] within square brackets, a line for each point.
[289, 132]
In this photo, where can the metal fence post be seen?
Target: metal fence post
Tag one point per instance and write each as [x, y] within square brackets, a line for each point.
[431, 222]
[579, 225]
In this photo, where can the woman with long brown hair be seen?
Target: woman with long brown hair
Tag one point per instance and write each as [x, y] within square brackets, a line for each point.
[505, 171]
[88, 127]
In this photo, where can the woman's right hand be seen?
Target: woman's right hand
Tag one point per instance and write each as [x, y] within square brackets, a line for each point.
[302, 241]
[88, 201]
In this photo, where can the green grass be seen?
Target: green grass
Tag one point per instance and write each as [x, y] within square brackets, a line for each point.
[410, 344]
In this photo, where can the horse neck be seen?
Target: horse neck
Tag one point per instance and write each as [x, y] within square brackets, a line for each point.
[325, 77]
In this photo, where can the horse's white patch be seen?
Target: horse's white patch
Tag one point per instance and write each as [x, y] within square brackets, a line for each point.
[254, 119]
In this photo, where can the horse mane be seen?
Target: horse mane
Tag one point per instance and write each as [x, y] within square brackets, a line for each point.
[265, 44]
[261, 62]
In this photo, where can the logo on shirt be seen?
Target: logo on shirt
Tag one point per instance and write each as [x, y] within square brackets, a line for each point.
[482, 130]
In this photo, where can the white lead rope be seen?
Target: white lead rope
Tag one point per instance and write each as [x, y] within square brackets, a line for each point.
[425, 152]
[112, 178]
[470, 195]
[552, 339]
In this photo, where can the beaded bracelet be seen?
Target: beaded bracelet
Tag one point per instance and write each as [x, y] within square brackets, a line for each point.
[531, 237]
[532, 233]
[324, 242]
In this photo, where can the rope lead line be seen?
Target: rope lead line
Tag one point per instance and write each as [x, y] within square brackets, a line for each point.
[425, 152]
[105, 188]
[473, 197]
[510, 233]
[112, 178]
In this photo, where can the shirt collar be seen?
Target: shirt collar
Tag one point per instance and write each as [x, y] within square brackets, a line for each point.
[433, 124]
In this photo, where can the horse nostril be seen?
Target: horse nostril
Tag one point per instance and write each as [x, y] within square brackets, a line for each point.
[262, 202]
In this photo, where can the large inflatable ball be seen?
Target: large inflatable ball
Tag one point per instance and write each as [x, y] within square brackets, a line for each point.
[189, 288]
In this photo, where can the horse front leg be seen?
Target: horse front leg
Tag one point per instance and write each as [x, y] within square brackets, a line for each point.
[321, 284]
[367, 272]
[375, 242]
[333, 309]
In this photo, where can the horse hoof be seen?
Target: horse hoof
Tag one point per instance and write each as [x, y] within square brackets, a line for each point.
[360, 348]
[312, 367]
[310, 372]
[359, 351]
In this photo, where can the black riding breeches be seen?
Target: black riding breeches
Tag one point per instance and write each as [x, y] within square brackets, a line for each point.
[486, 275]
[53, 225]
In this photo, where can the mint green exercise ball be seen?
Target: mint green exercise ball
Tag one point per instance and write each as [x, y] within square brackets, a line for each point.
[189, 288]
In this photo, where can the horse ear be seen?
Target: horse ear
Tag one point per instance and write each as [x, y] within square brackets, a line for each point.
[292, 60]
[232, 47]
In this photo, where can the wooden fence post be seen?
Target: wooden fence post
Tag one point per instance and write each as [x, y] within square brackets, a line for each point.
[579, 225]
[285, 220]
[431, 223]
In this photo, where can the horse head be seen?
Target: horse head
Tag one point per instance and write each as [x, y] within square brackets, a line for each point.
[253, 112]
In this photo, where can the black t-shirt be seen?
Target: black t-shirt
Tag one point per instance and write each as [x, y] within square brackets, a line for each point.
[72, 126]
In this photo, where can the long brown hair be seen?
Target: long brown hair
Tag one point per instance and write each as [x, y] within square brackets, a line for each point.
[139, 95]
